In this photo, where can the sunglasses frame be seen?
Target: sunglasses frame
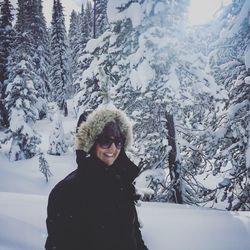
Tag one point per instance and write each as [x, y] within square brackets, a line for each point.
[106, 143]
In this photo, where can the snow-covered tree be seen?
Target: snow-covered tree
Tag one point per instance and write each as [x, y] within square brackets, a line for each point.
[161, 82]
[60, 73]
[21, 95]
[6, 30]
[6, 40]
[44, 167]
[74, 42]
[20, 101]
[57, 143]
[41, 55]
[100, 22]
[228, 142]
[180, 89]
[88, 21]
[87, 80]
[142, 64]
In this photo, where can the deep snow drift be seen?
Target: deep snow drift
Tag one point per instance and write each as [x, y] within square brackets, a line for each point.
[165, 226]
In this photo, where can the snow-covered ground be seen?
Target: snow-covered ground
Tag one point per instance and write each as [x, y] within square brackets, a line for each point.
[165, 226]
[24, 194]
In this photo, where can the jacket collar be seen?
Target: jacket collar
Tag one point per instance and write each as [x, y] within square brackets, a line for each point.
[123, 165]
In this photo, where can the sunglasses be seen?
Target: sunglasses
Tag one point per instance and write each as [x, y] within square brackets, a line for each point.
[106, 143]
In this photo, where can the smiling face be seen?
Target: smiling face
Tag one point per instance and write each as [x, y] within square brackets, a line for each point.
[107, 155]
[109, 143]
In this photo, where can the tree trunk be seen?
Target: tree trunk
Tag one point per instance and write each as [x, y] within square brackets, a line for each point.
[4, 114]
[172, 159]
[94, 28]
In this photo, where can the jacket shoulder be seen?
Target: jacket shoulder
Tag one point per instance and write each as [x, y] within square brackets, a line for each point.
[66, 186]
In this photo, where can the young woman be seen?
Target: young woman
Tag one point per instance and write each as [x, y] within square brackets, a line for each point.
[93, 207]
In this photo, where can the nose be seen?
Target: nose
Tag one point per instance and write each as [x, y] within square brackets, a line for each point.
[113, 147]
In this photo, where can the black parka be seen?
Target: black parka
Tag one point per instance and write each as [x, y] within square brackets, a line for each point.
[93, 207]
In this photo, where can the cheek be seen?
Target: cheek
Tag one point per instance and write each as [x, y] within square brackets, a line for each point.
[98, 151]
[117, 152]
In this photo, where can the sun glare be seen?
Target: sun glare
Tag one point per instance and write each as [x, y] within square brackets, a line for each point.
[202, 11]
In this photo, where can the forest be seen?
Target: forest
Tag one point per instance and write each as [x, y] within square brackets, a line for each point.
[187, 90]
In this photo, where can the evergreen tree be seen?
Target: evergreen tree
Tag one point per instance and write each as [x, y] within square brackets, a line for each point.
[60, 78]
[44, 167]
[57, 144]
[88, 20]
[228, 142]
[41, 55]
[21, 96]
[154, 88]
[100, 17]
[160, 75]
[23, 17]
[74, 42]
[149, 93]
[20, 101]
[6, 42]
[87, 80]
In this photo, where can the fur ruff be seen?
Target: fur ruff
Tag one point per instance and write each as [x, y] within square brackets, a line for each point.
[95, 123]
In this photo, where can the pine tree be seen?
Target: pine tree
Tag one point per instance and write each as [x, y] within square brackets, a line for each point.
[177, 106]
[41, 55]
[153, 88]
[228, 143]
[60, 78]
[57, 144]
[100, 17]
[44, 167]
[21, 96]
[6, 41]
[88, 20]
[20, 101]
[87, 80]
[148, 93]
[74, 42]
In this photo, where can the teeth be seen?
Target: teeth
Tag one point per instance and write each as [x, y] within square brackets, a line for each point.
[109, 155]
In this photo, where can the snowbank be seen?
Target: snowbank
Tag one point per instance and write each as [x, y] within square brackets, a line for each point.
[165, 226]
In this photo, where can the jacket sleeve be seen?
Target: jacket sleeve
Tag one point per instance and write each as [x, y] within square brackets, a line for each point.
[56, 222]
[140, 243]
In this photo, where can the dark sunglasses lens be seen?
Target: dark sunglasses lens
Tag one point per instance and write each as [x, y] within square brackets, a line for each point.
[118, 144]
[107, 142]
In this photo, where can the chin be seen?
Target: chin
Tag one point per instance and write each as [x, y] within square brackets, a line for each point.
[109, 163]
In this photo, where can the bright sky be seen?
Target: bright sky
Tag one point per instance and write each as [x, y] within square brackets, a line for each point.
[68, 5]
[202, 11]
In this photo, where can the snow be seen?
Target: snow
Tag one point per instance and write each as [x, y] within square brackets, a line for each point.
[159, 7]
[144, 179]
[95, 43]
[57, 140]
[225, 183]
[23, 217]
[247, 57]
[133, 12]
[247, 80]
[190, 228]
[173, 82]
[245, 9]
[23, 201]
[248, 148]
[18, 122]
[23, 227]
[142, 76]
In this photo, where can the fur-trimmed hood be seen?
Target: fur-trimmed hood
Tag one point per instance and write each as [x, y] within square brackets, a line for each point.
[95, 123]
